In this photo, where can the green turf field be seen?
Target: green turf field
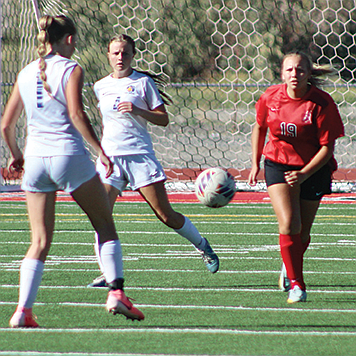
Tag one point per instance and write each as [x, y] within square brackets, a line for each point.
[238, 311]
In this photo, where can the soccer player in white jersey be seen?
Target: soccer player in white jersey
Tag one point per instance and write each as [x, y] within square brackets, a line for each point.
[49, 89]
[128, 100]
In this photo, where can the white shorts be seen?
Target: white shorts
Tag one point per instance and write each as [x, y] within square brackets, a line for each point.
[49, 174]
[136, 170]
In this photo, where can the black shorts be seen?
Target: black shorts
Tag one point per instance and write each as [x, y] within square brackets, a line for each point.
[313, 188]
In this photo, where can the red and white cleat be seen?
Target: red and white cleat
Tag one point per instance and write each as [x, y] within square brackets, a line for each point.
[118, 303]
[23, 318]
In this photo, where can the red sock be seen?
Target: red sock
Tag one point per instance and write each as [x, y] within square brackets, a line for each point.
[292, 255]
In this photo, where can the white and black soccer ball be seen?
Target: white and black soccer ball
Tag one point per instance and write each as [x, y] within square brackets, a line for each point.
[215, 187]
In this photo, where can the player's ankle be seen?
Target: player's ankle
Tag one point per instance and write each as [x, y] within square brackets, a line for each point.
[116, 284]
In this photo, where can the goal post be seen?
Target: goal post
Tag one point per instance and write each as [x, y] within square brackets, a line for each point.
[217, 57]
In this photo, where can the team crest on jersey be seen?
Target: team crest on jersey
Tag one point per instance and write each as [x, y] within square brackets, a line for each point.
[130, 89]
[307, 117]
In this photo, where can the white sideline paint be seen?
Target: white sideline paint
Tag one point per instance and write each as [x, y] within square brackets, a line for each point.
[57, 260]
[167, 331]
[8, 266]
[199, 307]
[188, 289]
[153, 220]
[136, 257]
[222, 248]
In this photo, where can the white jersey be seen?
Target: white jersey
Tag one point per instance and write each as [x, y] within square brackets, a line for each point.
[50, 130]
[126, 134]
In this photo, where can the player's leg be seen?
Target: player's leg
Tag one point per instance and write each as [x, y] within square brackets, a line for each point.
[312, 191]
[145, 174]
[308, 210]
[41, 208]
[100, 280]
[286, 204]
[92, 197]
[114, 185]
[112, 193]
[41, 213]
[156, 196]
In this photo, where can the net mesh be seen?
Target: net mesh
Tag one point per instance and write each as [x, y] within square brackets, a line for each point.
[217, 56]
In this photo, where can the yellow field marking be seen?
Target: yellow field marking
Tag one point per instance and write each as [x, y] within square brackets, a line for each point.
[13, 214]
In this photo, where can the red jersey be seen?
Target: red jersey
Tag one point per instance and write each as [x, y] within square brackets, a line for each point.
[297, 127]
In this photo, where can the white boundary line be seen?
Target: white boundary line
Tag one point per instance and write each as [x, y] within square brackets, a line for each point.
[77, 231]
[201, 307]
[154, 220]
[15, 266]
[39, 353]
[138, 256]
[189, 289]
[181, 331]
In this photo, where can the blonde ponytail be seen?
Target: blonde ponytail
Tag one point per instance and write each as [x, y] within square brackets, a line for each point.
[43, 49]
[52, 30]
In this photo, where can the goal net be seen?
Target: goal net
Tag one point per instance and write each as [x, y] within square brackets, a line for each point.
[217, 56]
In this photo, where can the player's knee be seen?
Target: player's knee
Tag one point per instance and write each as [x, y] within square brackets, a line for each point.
[39, 248]
[166, 219]
[289, 229]
[106, 233]
[305, 236]
[173, 220]
[289, 225]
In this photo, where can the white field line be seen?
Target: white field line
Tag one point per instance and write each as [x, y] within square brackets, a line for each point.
[233, 205]
[238, 214]
[91, 259]
[201, 307]
[40, 353]
[53, 261]
[213, 331]
[193, 330]
[189, 289]
[169, 256]
[341, 242]
[77, 231]
[154, 221]
[203, 215]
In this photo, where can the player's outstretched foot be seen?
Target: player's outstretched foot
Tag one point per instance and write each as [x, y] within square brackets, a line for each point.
[296, 294]
[98, 282]
[118, 303]
[283, 281]
[23, 318]
[210, 258]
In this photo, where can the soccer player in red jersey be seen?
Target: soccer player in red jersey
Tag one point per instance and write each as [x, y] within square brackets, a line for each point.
[303, 123]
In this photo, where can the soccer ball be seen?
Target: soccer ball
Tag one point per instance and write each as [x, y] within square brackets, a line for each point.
[215, 187]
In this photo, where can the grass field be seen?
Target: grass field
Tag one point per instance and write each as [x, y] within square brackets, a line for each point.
[238, 311]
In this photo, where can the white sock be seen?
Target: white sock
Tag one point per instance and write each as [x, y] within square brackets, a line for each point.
[110, 255]
[31, 272]
[191, 233]
[96, 249]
